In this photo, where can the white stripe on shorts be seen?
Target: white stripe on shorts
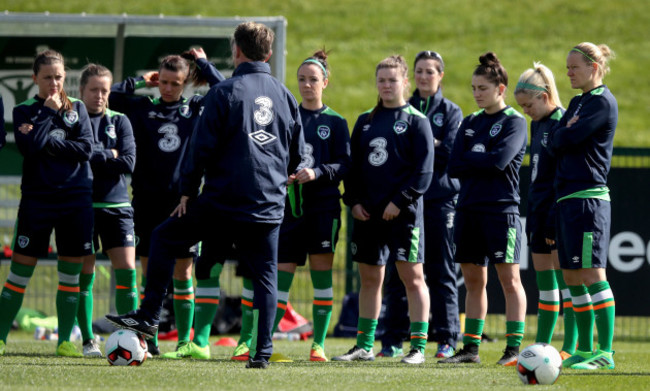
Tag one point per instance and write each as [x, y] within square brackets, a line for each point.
[208, 292]
[602, 296]
[283, 296]
[324, 293]
[18, 280]
[553, 295]
[247, 294]
[581, 300]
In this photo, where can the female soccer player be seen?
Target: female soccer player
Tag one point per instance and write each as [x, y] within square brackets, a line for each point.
[113, 157]
[537, 95]
[583, 143]
[392, 166]
[162, 128]
[439, 201]
[486, 157]
[54, 135]
[312, 211]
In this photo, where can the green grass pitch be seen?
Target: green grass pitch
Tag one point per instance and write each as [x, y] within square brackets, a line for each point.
[32, 365]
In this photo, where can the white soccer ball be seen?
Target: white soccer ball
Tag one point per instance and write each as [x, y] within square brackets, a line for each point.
[539, 363]
[125, 347]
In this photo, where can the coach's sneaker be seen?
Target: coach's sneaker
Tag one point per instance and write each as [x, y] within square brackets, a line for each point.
[257, 364]
[91, 348]
[510, 356]
[356, 354]
[152, 348]
[134, 321]
[67, 349]
[445, 350]
[317, 353]
[600, 360]
[467, 355]
[3, 346]
[579, 357]
[564, 355]
[391, 351]
[415, 356]
[241, 352]
[189, 350]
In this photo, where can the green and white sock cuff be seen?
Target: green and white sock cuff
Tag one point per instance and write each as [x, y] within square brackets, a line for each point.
[247, 294]
[566, 294]
[208, 291]
[283, 296]
[550, 296]
[17, 280]
[68, 279]
[324, 293]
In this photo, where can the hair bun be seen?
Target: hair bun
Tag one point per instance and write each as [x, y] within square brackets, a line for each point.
[489, 59]
[321, 54]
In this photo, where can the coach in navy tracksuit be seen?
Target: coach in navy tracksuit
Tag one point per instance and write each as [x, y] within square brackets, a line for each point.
[247, 141]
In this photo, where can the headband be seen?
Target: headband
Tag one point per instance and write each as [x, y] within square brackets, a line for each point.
[583, 53]
[528, 86]
[314, 61]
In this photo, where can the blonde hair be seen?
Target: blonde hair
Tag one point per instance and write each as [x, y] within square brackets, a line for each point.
[599, 54]
[536, 81]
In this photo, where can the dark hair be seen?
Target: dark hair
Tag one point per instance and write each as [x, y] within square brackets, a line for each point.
[491, 68]
[430, 55]
[195, 75]
[92, 70]
[176, 63]
[254, 40]
[50, 57]
[318, 58]
[394, 61]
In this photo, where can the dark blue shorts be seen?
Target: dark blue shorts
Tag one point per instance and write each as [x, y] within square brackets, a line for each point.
[537, 242]
[483, 238]
[113, 228]
[73, 229]
[377, 242]
[148, 213]
[583, 227]
[315, 233]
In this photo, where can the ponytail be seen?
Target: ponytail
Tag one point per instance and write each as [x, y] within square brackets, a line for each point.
[538, 80]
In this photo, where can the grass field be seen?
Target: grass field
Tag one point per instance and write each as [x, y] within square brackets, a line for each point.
[362, 32]
[31, 365]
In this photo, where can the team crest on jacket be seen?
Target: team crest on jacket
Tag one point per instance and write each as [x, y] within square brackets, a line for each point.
[496, 128]
[57, 134]
[545, 139]
[438, 119]
[185, 111]
[400, 126]
[110, 131]
[23, 241]
[70, 117]
[323, 132]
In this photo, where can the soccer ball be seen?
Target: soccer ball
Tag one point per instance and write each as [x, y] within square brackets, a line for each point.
[125, 347]
[539, 363]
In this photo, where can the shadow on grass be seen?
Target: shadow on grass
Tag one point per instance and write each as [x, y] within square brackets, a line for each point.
[606, 373]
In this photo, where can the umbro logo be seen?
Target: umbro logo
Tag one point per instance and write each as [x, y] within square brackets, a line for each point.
[401, 252]
[527, 354]
[262, 137]
[576, 259]
[498, 254]
[469, 132]
[325, 243]
[365, 127]
[129, 321]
